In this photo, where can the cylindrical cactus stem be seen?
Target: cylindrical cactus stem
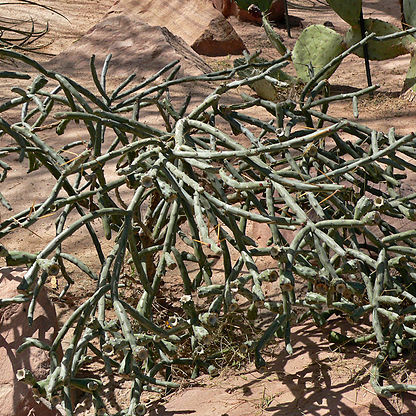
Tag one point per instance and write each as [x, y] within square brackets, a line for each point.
[267, 337]
[339, 285]
[29, 342]
[286, 281]
[305, 271]
[201, 334]
[205, 291]
[170, 263]
[273, 306]
[183, 270]
[202, 227]
[378, 289]
[216, 304]
[353, 95]
[26, 376]
[375, 374]
[135, 394]
[189, 307]
[287, 311]
[271, 210]
[98, 404]
[252, 312]
[269, 275]
[39, 388]
[392, 316]
[53, 382]
[342, 339]
[151, 380]
[89, 303]
[126, 366]
[213, 371]
[86, 384]
[125, 324]
[208, 318]
[28, 279]
[169, 348]
[145, 322]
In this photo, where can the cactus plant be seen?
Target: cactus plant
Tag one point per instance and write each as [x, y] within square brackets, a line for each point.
[19, 34]
[316, 38]
[318, 45]
[409, 12]
[190, 190]
[348, 11]
[379, 51]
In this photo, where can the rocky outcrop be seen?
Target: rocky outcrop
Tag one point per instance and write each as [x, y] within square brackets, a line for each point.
[191, 20]
[16, 397]
[219, 39]
[136, 47]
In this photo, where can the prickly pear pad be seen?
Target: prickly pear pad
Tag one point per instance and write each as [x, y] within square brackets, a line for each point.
[347, 10]
[316, 46]
[377, 50]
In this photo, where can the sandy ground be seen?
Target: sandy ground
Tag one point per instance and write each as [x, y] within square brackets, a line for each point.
[317, 379]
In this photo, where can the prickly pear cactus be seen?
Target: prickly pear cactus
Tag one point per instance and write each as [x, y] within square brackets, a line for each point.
[347, 10]
[409, 86]
[409, 12]
[274, 38]
[317, 46]
[379, 51]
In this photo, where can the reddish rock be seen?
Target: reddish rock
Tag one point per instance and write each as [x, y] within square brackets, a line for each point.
[219, 39]
[187, 19]
[230, 8]
[191, 20]
[134, 45]
[15, 396]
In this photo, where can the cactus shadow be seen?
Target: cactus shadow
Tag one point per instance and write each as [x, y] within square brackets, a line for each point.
[316, 380]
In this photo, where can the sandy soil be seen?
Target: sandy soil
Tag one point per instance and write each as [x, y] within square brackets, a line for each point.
[317, 379]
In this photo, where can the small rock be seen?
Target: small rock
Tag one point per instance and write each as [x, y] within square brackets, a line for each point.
[15, 396]
[219, 39]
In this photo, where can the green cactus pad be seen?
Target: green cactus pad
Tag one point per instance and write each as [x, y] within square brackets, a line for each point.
[263, 88]
[274, 37]
[409, 12]
[316, 46]
[379, 51]
[347, 10]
